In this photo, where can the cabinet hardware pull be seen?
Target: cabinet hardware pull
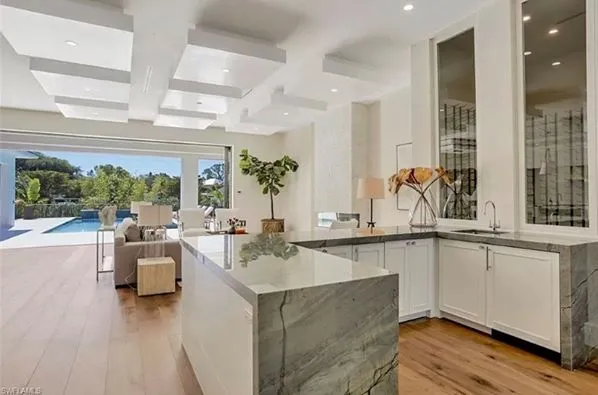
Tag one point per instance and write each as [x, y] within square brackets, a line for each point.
[488, 267]
[325, 251]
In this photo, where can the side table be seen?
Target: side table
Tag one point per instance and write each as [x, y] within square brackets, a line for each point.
[155, 275]
[106, 262]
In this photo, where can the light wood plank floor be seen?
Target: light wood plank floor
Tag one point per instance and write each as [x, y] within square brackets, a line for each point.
[65, 333]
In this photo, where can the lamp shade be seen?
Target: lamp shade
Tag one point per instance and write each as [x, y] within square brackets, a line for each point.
[154, 215]
[135, 206]
[370, 188]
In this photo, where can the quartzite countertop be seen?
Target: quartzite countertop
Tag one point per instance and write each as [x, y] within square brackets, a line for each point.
[263, 316]
[578, 268]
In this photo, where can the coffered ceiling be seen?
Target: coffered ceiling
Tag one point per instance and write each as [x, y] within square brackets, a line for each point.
[249, 66]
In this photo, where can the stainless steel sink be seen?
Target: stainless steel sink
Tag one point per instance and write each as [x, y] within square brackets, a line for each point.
[479, 232]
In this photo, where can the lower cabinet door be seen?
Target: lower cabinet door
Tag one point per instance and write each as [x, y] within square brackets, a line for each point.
[523, 295]
[419, 272]
[395, 258]
[462, 280]
[340, 251]
[369, 253]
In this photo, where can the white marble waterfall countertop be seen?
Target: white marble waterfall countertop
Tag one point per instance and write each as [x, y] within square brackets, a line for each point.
[259, 264]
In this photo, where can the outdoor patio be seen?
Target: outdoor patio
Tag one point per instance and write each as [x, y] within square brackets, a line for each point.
[30, 233]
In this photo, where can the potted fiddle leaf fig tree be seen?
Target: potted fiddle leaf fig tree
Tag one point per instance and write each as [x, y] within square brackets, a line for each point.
[269, 176]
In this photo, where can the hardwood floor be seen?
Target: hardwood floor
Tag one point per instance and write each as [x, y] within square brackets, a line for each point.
[66, 334]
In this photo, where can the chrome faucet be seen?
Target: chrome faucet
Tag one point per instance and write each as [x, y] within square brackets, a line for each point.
[493, 224]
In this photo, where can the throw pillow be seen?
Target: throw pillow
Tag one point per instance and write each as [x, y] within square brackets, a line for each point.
[132, 232]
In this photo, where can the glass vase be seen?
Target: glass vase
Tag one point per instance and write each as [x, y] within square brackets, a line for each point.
[423, 214]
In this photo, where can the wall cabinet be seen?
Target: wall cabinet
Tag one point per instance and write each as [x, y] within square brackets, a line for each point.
[514, 291]
[369, 253]
[413, 260]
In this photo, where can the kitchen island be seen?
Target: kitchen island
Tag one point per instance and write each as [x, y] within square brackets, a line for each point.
[263, 316]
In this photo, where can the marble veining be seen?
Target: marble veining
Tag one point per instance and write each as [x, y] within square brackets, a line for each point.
[333, 339]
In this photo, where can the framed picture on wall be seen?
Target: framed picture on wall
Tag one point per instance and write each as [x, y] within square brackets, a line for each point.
[406, 196]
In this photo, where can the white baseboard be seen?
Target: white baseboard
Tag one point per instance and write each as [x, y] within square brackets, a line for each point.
[414, 316]
[465, 322]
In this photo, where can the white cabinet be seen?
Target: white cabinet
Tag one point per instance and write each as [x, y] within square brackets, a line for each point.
[369, 253]
[462, 280]
[511, 290]
[523, 295]
[340, 251]
[413, 260]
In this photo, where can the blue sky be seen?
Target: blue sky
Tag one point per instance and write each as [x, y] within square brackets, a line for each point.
[135, 164]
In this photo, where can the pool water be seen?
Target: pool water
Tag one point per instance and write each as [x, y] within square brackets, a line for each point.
[78, 225]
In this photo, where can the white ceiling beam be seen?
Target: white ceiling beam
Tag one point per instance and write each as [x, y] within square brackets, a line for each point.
[93, 13]
[233, 43]
[205, 88]
[282, 99]
[188, 114]
[358, 71]
[79, 70]
[75, 101]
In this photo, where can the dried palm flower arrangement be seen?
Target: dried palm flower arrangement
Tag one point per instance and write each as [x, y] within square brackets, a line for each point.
[420, 179]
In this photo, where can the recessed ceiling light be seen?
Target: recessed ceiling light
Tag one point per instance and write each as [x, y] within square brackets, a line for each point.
[527, 53]
[553, 31]
[95, 113]
[334, 90]
[557, 63]
[408, 7]
[526, 18]
[285, 113]
[71, 43]
[87, 89]
[225, 70]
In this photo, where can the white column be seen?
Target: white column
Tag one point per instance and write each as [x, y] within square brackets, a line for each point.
[189, 186]
[7, 189]
[422, 105]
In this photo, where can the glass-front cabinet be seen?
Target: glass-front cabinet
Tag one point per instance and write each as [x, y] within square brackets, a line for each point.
[457, 126]
[555, 105]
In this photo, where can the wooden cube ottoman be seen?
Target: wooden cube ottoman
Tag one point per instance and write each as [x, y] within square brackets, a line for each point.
[155, 276]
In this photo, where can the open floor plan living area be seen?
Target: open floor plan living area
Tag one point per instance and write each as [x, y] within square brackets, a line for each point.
[281, 197]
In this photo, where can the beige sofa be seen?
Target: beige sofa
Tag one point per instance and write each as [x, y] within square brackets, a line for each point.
[127, 253]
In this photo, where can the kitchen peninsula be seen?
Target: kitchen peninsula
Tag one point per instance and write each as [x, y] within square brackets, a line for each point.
[263, 316]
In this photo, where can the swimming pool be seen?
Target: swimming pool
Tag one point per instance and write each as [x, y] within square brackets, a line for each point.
[78, 225]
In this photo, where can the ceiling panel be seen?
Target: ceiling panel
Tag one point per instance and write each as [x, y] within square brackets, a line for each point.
[184, 119]
[331, 88]
[96, 114]
[44, 36]
[92, 109]
[192, 101]
[182, 122]
[244, 72]
[85, 88]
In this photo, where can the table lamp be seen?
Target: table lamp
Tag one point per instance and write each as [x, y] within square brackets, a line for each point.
[370, 188]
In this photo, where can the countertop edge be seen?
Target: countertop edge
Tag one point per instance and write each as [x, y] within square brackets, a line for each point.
[441, 234]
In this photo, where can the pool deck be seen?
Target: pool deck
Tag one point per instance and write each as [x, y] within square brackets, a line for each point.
[35, 237]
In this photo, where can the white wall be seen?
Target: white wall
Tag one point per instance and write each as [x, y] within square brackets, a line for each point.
[389, 126]
[341, 147]
[332, 161]
[298, 194]
[246, 194]
[7, 189]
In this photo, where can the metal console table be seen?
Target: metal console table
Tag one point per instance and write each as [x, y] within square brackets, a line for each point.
[106, 262]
